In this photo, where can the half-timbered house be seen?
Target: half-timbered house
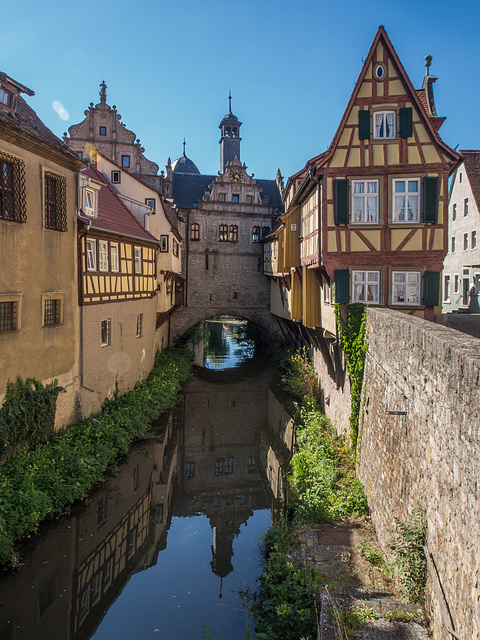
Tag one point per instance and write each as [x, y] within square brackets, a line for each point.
[117, 292]
[369, 215]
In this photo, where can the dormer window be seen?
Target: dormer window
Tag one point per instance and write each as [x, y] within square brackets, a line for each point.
[90, 198]
[89, 202]
[5, 97]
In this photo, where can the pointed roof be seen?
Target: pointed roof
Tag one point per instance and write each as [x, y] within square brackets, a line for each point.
[113, 215]
[471, 160]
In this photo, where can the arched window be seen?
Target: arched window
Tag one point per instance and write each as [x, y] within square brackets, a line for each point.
[227, 132]
[223, 233]
[234, 132]
[195, 231]
[256, 234]
[233, 233]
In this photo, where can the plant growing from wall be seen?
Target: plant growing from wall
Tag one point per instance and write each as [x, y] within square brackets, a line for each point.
[409, 555]
[27, 416]
[352, 331]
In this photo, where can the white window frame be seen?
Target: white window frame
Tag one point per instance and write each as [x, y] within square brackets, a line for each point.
[412, 288]
[366, 286]
[116, 176]
[362, 198]
[465, 241]
[106, 338]
[137, 252]
[114, 257]
[91, 255]
[456, 282]
[446, 287]
[465, 208]
[473, 239]
[454, 211]
[102, 255]
[90, 202]
[405, 194]
[383, 127]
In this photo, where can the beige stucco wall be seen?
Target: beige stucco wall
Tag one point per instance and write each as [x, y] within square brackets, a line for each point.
[127, 359]
[35, 262]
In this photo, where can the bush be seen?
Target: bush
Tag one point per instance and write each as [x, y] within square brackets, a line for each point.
[42, 482]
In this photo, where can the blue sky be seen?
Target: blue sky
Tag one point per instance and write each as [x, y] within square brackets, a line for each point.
[291, 68]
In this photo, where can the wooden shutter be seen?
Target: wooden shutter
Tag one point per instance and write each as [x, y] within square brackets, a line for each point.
[364, 125]
[430, 199]
[405, 122]
[431, 288]
[341, 201]
[342, 286]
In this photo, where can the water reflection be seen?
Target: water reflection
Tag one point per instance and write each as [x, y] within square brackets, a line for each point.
[212, 480]
[224, 342]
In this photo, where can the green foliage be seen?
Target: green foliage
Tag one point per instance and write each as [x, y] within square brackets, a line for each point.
[323, 485]
[354, 340]
[300, 378]
[27, 416]
[43, 482]
[410, 559]
[284, 604]
[373, 557]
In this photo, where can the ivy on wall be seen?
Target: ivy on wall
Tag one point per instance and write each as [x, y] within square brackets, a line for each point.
[27, 416]
[352, 323]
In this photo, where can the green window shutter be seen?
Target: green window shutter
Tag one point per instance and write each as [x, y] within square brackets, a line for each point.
[430, 199]
[342, 286]
[341, 201]
[431, 288]
[405, 122]
[364, 125]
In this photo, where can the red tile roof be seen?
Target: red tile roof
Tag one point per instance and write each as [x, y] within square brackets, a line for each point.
[113, 215]
[471, 160]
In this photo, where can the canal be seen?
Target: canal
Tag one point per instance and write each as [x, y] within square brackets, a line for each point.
[160, 550]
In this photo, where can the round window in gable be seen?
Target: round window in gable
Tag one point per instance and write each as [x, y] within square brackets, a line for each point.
[379, 71]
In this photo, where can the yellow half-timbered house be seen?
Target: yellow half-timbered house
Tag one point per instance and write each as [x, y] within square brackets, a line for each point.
[117, 292]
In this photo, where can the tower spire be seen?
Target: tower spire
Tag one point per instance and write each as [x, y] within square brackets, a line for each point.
[184, 146]
[230, 101]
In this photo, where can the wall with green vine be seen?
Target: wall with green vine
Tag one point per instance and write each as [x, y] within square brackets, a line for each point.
[352, 327]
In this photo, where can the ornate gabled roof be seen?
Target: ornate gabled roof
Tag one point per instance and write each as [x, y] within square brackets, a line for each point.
[113, 215]
[471, 160]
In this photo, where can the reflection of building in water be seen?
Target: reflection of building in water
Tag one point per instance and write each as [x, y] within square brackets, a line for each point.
[219, 469]
[81, 566]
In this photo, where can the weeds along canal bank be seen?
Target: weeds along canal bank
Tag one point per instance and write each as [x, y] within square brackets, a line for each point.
[44, 472]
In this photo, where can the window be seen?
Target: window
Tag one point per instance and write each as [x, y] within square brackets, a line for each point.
[406, 287]
[251, 464]
[366, 287]
[446, 288]
[379, 71]
[195, 231]
[55, 201]
[385, 124]
[164, 243]
[138, 259]
[454, 212]
[218, 467]
[150, 202]
[456, 282]
[365, 201]
[461, 176]
[139, 331]
[473, 243]
[223, 233]
[190, 469]
[5, 97]
[9, 316]
[453, 243]
[228, 466]
[215, 501]
[114, 256]
[465, 207]
[116, 177]
[249, 199]
[406, 204]
[126, 161]
[265, 231]
[91, 255]
[175, 247]
[103, 255]
[256, 234]
[52, 312]
[103, 131]
[12, 189]
[106, 332]
[235, 197]
[89, 202]
[80, 154]
[233, 233]
[465, 241]
[222, 197]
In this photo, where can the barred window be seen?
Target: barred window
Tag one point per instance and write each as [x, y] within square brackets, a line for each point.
[8, 316]
[55, 201]
[52, 312]
[12, 188]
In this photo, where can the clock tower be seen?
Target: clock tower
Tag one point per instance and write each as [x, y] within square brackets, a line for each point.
[230, 139]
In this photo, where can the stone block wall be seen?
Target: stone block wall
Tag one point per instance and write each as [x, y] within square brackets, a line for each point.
[428, 454]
